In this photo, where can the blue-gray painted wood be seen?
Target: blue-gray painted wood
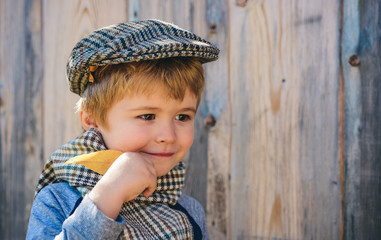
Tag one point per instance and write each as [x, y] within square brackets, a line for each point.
[369, 51]
[361, 36]
[20, 112]
[352, 86]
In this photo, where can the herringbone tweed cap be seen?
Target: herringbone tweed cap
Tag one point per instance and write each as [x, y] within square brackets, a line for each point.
[133, 41]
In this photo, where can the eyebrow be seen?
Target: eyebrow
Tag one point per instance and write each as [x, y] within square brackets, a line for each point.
[191, 109]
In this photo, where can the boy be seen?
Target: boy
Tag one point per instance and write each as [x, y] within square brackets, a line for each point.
[140, 85]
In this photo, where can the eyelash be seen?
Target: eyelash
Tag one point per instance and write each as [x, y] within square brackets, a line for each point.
[150, 117]
[187, 117]
[147, 117]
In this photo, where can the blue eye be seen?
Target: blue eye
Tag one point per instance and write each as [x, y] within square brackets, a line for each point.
[183, 117]
[147, 117]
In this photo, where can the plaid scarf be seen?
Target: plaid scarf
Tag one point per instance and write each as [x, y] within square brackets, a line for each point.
[146, 218]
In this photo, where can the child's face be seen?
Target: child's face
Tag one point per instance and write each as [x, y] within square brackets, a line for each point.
[158, 127]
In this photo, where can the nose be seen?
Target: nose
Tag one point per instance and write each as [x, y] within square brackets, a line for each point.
[166, 133]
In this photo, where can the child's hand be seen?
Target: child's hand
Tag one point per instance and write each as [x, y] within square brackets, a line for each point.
[130, 175]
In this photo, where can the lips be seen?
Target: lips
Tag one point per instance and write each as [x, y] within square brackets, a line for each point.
[161, 154]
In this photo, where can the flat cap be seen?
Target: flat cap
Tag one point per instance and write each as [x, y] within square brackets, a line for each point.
[133, 41]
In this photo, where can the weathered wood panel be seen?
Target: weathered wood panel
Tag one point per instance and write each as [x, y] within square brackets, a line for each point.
[369, 50]
[218, 99]
[20, 112]
[278, 164]
[352, 84]
[284, 85]
[362, 70]
[65, 23]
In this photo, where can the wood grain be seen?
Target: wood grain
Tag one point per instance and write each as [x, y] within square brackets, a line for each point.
[363, 196]
[20, 112]
[65, 23]
[284, 83]
[351, 76]
[219, 139]
[294, 153]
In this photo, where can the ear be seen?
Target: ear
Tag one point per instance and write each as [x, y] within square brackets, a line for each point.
[87, 120]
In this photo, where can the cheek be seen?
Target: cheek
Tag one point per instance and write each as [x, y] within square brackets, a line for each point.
[133, 139]
[187, 139]
[126, 138]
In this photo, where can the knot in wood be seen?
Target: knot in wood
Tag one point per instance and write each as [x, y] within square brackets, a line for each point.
[354, 60]
[241, 3]
[210, 121]
[212, 27]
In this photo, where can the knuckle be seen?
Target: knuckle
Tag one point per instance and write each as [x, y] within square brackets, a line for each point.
[124, 157]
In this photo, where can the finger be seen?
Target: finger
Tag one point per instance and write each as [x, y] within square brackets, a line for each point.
[148, 192]
[151, 188]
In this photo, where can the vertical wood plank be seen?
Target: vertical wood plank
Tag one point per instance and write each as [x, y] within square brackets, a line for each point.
[352, 86]
[369, 50]
[317, 46]
[65, 23]
[20, 112]
[363, 100]
[219, 138]
[178, 12]
[284, 82]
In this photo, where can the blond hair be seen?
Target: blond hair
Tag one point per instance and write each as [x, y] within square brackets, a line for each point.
[113, 82]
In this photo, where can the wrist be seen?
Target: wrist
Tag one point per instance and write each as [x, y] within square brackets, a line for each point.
[107, 202]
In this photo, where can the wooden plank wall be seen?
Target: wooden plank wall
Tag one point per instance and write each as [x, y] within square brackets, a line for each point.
[21, 116]
[61, 33]
[361, 57]
[295, 149]
[284, 165]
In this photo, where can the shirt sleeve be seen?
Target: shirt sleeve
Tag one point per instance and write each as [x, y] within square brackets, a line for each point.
[197, 212]
[51, 216]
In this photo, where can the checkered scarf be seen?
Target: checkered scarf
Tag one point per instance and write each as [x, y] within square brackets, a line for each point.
[146, 218]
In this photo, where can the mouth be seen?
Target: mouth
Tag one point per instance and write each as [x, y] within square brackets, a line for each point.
[160, 154]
